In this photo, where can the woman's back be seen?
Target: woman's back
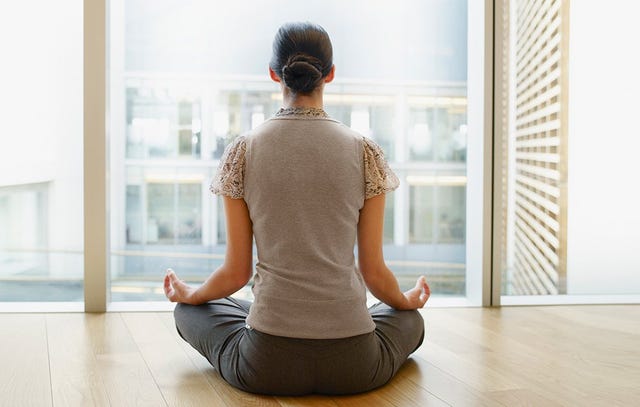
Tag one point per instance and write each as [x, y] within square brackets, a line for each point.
[304, 187]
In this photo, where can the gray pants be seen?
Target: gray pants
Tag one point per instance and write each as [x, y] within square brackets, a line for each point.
[260, 363]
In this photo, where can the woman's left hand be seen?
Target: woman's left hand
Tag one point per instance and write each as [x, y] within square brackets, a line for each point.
[418, 295]
[177, 290]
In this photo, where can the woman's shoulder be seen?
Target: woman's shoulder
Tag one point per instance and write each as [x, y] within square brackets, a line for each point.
[284, 125]
[236, 148]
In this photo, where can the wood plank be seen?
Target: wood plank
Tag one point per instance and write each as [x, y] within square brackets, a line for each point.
[564, 355]
[521, 363]
[124, 372]
[522, 397]
[470, 371]
[586, 352]
[466, 359]
[401, 392]
[555, 354]
[369, 399]
[229, 394]
[614, 318]
[24, 375]
[179, 381]
[308, 401]
[444, 385]
[75, 375]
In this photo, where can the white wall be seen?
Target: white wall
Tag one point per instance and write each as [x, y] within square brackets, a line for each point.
[603, 252]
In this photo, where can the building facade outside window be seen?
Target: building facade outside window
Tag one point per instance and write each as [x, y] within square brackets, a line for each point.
[177, 104]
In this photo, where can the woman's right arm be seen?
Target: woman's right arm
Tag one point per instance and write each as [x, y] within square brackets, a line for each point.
[377, 276]
[236, 270]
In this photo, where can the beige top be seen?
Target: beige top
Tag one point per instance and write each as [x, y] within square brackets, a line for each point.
[304, 177]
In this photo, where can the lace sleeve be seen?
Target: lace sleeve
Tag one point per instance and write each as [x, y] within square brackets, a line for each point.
[229, 179]
[379, 178]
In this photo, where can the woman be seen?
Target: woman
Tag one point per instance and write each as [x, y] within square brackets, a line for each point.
[304, 185]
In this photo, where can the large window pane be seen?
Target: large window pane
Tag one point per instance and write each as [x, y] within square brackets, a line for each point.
[437, 214]
[568, 153]
[41, 210]
[179, 96]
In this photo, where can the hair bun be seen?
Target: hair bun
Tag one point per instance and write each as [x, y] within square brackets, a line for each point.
[302, 73]
[302, 56]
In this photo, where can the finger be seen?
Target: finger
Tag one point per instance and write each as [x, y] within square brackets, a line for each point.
[423, 284]
[168, 289]
[170, 293]
[173, 277]
[424, 297]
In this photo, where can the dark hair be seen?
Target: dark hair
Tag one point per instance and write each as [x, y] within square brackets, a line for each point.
[302, 56]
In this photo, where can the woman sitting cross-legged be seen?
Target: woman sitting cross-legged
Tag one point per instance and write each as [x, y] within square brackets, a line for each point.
[306, 187]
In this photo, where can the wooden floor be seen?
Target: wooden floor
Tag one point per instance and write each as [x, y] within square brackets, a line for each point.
[534, 356]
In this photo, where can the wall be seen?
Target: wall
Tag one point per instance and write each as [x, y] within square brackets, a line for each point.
[603, 253]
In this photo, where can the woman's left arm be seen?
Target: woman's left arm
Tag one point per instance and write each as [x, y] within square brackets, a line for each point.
[237, 268]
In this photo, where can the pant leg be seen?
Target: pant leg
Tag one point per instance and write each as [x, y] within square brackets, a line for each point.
[275, 365]
[261, 363]
[371, 360]
[214, 329]
[399, 334]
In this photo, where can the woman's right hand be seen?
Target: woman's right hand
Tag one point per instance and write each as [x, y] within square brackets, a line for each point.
[418, 295]
[177, 290]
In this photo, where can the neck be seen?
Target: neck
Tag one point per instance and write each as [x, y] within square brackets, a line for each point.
[313, 100]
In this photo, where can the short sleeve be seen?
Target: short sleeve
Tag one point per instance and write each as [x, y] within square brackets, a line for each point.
[379, 178]
[229, 179]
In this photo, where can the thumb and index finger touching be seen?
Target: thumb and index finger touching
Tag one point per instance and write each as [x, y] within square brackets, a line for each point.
[425, 290]
[170, 280]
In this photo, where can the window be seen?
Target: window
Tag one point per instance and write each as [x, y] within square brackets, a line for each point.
[180, 90]
[179, 96]
[437, 214]
[41, 185]
[568, 217]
